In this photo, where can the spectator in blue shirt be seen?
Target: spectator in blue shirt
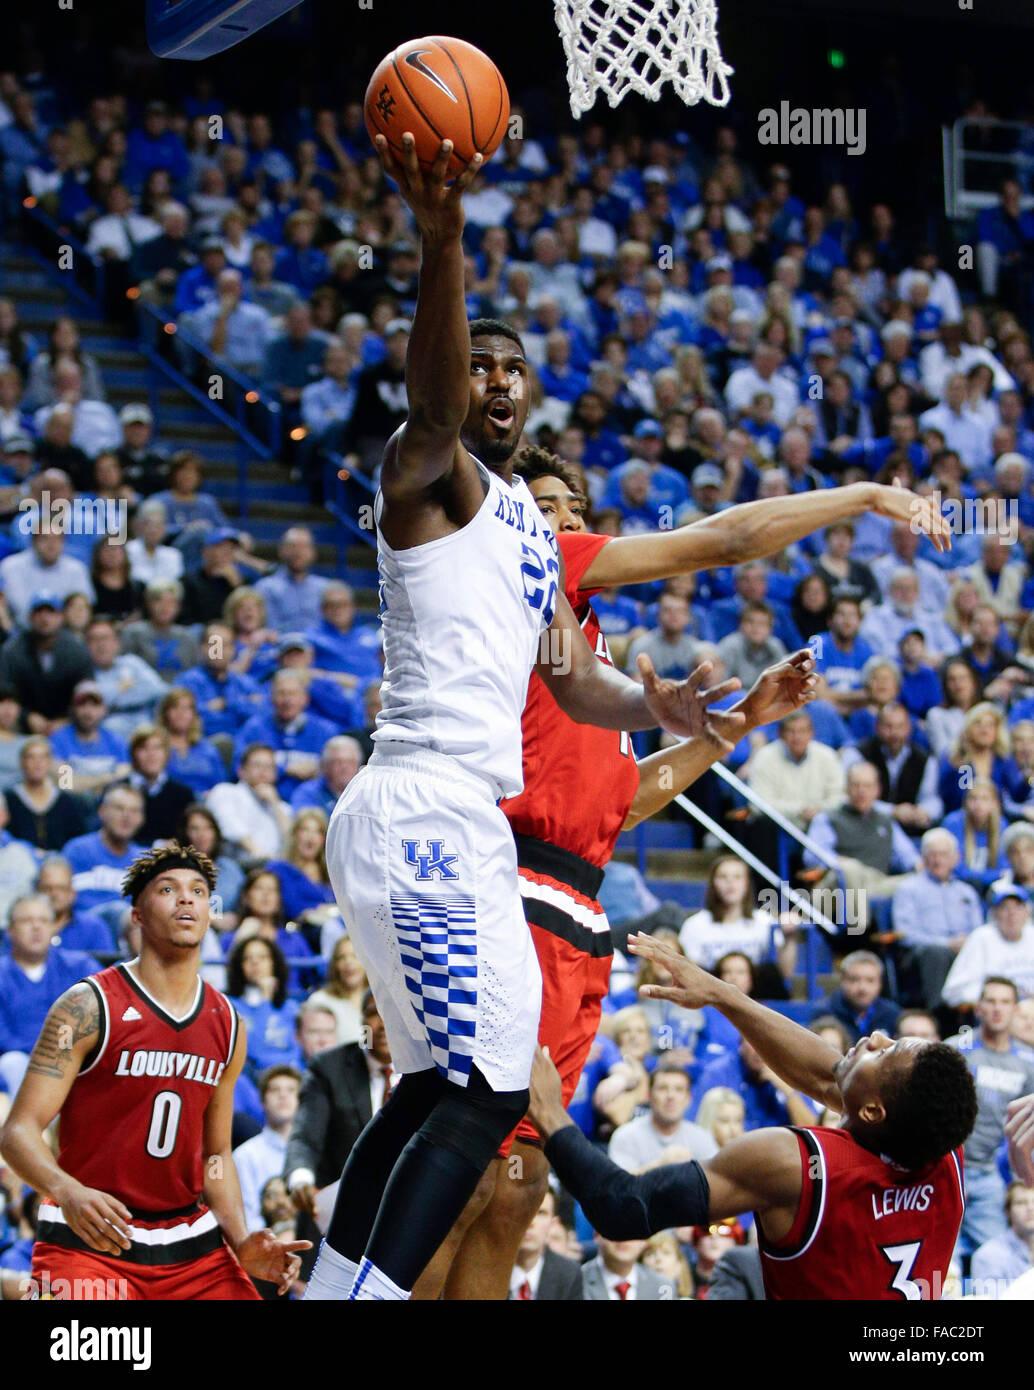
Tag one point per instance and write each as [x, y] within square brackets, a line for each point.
[979, 752]
[296, 735]
[299, 263]
[225, 699]
[231, 328]
[1002, 1259]
[197, 286]
[340, 760]
[933, 911]
[33, 974]
[603, 446]
[304, 882]
[265, 161]
[95, 755]
[920, 683]
[194, 761]
[256, 982]
[296, 358]
[186, 506]
[292, 592]
[101, 860]
[858, 1003]
[155, 146]
[329, 400]
[341, 643]
[976, 827]
[559, 377]
[261, 908]
[1005, 246]
[75, 930]
[335, 696]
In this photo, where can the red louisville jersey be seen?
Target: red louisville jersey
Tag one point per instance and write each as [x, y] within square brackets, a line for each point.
[579, 781]
[132, 1122]
[865, 1229]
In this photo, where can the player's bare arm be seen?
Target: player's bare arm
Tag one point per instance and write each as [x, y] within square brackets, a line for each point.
[784, 687]
[760, 1172]
[421, 459]
[70, 1032]
[260, 1253]
[590, 692]
[755, 529]
[794, 1053]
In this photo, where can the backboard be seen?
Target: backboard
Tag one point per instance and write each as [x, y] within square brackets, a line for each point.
[200, 28]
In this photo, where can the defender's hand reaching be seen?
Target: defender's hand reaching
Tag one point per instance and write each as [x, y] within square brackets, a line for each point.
[683, 708]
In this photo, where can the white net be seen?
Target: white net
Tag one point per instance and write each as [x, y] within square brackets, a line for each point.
[621, 46]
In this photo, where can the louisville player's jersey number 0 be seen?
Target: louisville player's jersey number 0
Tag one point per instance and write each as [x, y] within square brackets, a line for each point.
[165, 1123]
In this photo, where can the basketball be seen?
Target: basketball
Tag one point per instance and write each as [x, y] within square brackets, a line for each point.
[439, 89]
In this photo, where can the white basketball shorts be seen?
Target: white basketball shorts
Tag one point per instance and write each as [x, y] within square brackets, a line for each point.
[423, 865]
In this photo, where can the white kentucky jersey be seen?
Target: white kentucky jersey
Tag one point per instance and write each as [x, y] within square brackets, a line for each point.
[463, 618]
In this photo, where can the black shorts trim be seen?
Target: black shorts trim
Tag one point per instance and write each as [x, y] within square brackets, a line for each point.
[151, 1256]
[545, 916]
[540, 857]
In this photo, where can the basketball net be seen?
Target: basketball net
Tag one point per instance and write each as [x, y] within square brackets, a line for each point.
[621, 46]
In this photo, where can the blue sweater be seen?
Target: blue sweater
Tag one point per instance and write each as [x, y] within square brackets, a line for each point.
[24, 1002]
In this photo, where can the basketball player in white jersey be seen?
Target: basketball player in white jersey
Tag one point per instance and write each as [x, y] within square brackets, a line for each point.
[421, 859]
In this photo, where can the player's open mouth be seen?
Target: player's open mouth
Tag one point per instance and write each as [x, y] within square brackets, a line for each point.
[501, 413]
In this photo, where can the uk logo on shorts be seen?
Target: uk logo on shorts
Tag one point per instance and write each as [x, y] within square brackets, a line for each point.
[434, 864]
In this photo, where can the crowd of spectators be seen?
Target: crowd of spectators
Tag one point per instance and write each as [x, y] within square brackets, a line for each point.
[699, 335]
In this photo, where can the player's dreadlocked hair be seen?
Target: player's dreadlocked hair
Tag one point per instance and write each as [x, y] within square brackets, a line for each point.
[495, 328]
[532, 462]
[159, 861]
[931, 1109]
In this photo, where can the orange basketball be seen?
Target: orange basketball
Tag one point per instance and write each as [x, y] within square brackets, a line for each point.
[439, 89]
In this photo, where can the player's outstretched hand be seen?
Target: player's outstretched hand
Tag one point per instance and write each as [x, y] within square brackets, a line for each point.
[782, 688]
[436, 205]
[920, 512]
[264, 1256]
[691, 987]
[1019, 1130]
[683, 708]
[546, 1107]
[101, 1221]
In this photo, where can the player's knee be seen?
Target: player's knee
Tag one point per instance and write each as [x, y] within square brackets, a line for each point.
[521, 1188]
[473, 1120]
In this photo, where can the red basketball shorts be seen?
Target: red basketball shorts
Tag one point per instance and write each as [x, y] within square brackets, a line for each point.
[61, 1273]
[572, 939]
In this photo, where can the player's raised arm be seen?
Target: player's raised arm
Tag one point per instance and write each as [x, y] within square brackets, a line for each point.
[438, 359]
[261, 1255]
[70, 1032]
[760, 1172]
[786, 686]
[755, 529]
[590, 692]
[795, 1054]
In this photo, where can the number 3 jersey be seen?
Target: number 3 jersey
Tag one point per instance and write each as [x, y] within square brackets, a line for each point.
[462, 618]
[865, 1229]
[133, 1121]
